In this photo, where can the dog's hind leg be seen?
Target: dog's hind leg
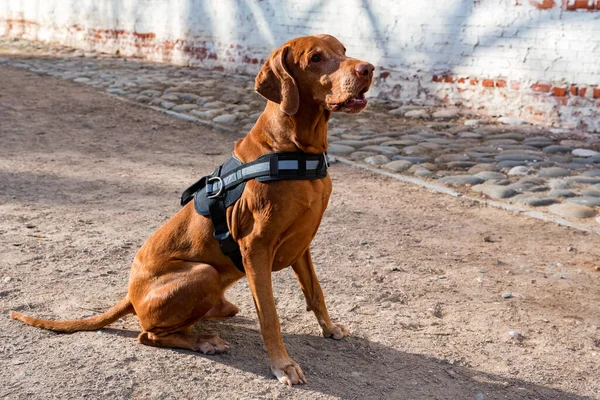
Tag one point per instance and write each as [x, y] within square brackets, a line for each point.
[223, 309]
[169, 305]
[206, 344]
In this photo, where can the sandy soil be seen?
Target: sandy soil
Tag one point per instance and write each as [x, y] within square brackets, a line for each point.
[418, 277]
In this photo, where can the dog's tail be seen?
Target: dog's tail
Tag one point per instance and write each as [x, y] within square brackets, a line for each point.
[119, 310]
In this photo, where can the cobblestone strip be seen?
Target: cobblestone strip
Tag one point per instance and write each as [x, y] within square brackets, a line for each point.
[556, 171]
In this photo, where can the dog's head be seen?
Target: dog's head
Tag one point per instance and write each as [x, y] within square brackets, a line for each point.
[315, 70]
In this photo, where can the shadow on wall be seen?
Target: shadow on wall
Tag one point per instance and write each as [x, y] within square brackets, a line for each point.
[459, 37]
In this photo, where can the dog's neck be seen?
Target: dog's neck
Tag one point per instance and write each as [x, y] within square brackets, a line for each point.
[275, 131]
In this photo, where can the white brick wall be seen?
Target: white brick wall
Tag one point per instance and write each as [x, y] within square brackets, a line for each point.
[410, 42]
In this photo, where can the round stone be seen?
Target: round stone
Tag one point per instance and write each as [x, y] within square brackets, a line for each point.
[414, 160]
[482, 167]
[409, 150]
[460, 164]
[208, 114]
[361, 155]
[585, 201]
[560, 159]
[572, 210]
[584, 153]
[553, 172]
[461, 180]
[559, 184]
[561, 193]
[519, 170]
[445, 114]
[501, 182]
[592, 172]
[495, 191]
[386, 150]
[511, 164]
[184, 107]
[574, 166]
[487, 175]
[227, 119]
[422, 172]
[445, 158]
[397, 111]
[556, 149]
[538, 142]
[533, 200]
[572, 143]
[340, 149]
[517, 157]
[167, 104]
[170, 97]
[416, 114]
[511, 121]
[398, 165]
[583, 161]
[584, 179]
[590, 193]
[377, 160]
[143, 99]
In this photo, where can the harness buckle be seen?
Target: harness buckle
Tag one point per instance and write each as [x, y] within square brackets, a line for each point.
[220, 192]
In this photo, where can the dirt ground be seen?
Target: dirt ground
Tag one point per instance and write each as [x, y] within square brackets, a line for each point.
[418, 277]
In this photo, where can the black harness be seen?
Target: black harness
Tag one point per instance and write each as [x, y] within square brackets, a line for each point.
[214, 193]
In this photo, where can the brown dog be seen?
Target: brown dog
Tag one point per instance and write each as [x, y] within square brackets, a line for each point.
[180, 274]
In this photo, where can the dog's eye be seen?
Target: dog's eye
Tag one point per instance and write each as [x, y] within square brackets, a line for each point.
[316, 58]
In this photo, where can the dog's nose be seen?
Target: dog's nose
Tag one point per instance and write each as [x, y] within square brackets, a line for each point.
[364, 69]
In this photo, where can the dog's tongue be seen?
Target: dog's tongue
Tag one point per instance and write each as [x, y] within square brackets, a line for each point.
[355, 102]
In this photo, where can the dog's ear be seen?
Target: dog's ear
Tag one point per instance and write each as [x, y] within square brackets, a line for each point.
[275, 83]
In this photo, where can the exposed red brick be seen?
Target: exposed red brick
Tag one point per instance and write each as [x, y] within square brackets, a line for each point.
[597, 93]
[541, 87]
[144, 36]
[542, 4]
[574, 91]
[562, 100]
[487, 83]
[501, 83]
[582, 91]
[559, 91]
[515, 85]
[474, 82]
[438, 78]
[461, 80]
[448, 79]
[579, 4]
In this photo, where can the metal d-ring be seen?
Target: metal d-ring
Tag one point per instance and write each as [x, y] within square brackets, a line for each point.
[220, 192]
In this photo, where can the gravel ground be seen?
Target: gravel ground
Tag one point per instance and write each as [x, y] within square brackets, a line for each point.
[445, 298]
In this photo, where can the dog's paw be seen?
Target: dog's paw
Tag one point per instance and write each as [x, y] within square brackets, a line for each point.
[289, 373]
[210, 344]
[335, 331]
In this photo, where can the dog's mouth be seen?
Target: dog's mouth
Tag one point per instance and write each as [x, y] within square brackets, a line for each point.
[353, 105]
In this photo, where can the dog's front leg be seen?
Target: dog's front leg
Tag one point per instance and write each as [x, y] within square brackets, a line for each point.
[315, 301]
[258, 271]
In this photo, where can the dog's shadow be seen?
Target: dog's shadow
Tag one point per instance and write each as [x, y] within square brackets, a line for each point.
[356, 368]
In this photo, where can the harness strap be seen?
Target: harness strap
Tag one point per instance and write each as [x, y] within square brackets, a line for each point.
[269, 167]
[272, 167]
[218, 215]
